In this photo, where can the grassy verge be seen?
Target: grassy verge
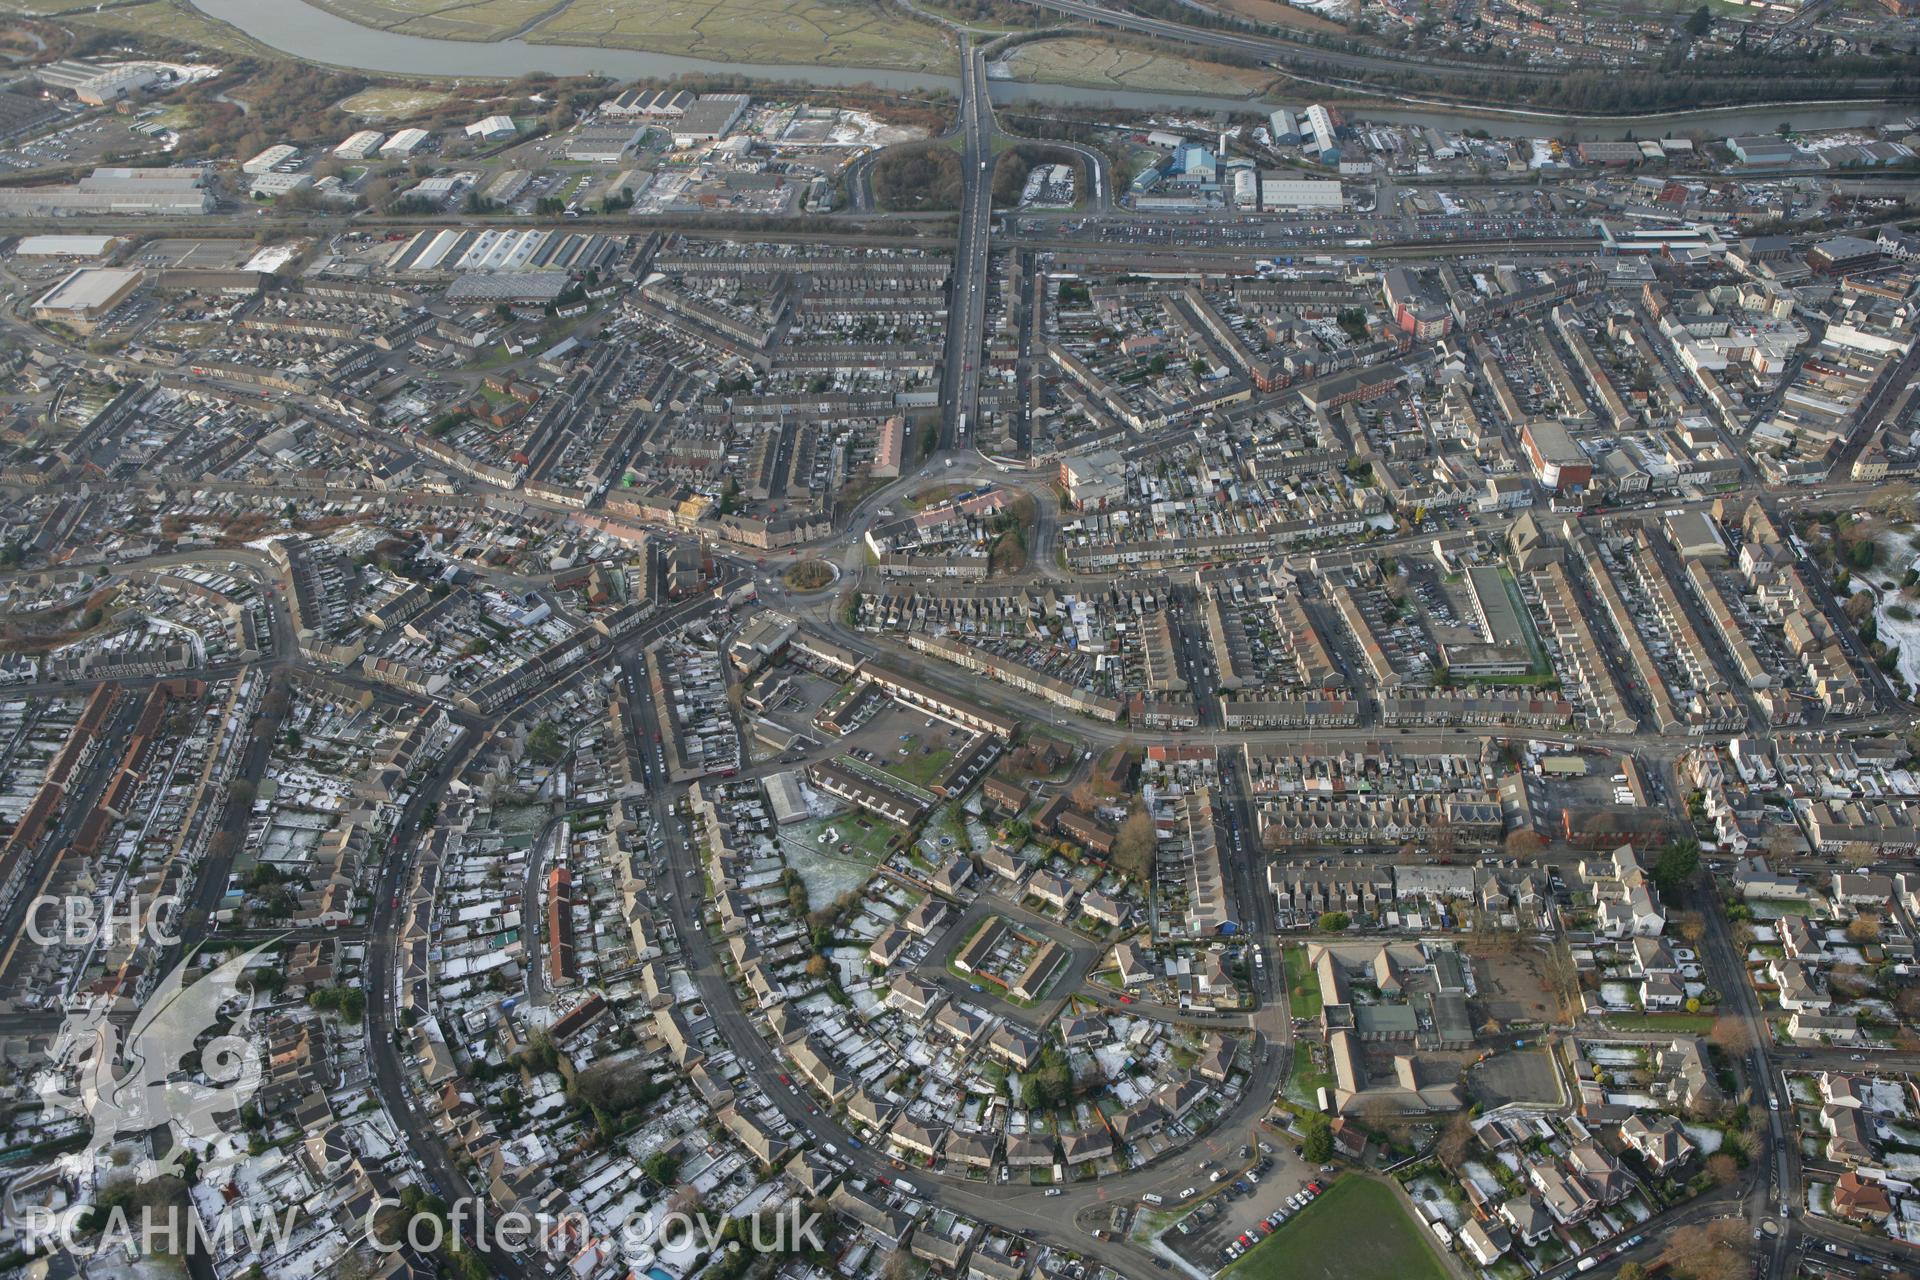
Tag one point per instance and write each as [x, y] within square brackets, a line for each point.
[1694, 1023]
[1303, 989]
[933, 494]
[1100, 65]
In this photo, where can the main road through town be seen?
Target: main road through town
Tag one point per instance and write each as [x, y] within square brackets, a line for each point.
[967, 317]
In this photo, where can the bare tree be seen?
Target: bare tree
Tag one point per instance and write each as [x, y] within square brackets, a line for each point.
[1524, 843]
[1710, 1251]
[1133, 847]
[1455, 1141]
[1785, 842]
[1849, 982]
[1690, 926]
[1859, 853]
[1487, 938]
[1564, 977]
[1731, 1036]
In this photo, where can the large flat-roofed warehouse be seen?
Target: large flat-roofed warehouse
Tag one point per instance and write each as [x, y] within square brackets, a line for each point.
[709, 118]
[358, 146]
[98, 83]
[163, 191]
[1301, 193]
[405, 143]
[64, 246]
[509, 286]
[605, 143]
[85, 295]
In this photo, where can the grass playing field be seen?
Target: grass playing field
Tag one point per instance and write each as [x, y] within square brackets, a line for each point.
[1358, 1230]
[390, 103]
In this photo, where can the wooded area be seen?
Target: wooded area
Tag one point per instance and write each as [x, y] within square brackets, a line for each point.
[918, 181]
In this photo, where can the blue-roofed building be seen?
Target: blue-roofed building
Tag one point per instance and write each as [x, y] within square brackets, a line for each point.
[1194, 160]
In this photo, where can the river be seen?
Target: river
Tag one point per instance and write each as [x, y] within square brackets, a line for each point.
[301, 30]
